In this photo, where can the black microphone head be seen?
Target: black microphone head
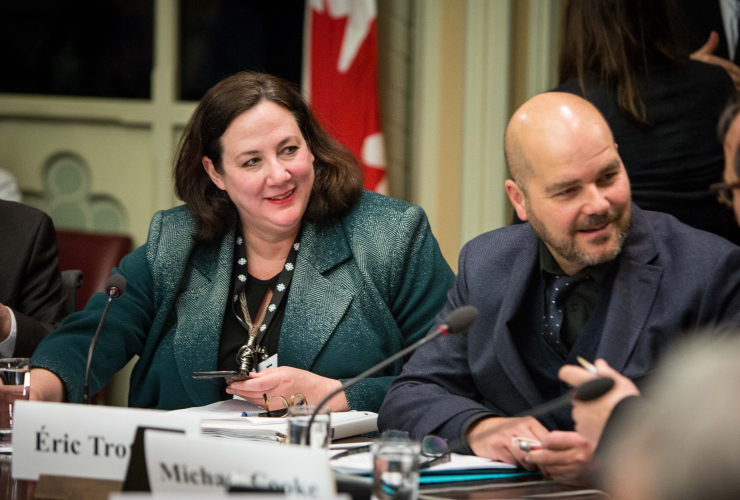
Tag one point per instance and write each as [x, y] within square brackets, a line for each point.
[461, 318]
[594, 389]
[118, 282]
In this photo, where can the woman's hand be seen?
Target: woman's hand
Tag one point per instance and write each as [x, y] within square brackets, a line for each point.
[286, 381]
[706, 55]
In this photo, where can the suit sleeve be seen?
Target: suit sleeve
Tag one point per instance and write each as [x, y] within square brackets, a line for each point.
[720, 303]
[420, 279]
[130, 317]
[40, 305]
[435, 393]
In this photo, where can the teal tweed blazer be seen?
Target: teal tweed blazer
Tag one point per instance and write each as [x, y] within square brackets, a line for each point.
[365, 286]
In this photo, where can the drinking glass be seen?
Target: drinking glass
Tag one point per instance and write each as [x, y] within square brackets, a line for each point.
[319, 436]
[395, 469]
[15, 380]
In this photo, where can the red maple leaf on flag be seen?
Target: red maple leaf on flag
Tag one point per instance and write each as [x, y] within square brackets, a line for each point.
[341, 79]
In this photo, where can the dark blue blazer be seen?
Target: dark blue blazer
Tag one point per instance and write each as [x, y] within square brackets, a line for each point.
[669, 278]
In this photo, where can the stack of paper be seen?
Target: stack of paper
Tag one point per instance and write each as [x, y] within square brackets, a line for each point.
[238, 419]
[362, 463]
[460, 468]
[238, 429]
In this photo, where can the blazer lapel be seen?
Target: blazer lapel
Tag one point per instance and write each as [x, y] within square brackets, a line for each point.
[200, 310]
[320, 294]
[503, 340]
[632, 295]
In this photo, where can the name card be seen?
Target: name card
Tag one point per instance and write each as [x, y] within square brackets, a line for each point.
[177, 463]
[194, 496]
[206, 496]
[74, 440]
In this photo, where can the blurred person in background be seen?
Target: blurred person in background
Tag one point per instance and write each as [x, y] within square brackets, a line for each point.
[9, 187]
[682, 440]
[662, 106]
[728, 132]
[714, 20]
[32, 298]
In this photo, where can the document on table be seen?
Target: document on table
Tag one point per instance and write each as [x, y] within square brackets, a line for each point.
[229, 408]
[362, 464]
[225, 419]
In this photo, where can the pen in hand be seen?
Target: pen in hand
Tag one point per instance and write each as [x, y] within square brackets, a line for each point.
[588, 366]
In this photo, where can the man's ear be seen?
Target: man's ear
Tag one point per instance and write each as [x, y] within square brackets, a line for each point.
[213, 173]
[517, 198]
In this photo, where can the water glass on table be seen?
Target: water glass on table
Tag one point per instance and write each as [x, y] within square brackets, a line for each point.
[395, 469]
[15, 380]
[319, 436]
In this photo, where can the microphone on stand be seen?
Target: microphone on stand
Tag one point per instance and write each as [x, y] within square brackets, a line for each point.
[114, 287]
[458, 321]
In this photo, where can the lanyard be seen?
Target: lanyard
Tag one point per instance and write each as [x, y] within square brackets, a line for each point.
[273, 297]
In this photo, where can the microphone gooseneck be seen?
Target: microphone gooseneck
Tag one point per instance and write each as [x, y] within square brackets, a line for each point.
[458, 321]
[114, 287]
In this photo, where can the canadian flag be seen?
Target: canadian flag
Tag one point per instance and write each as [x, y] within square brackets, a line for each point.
[340, 79]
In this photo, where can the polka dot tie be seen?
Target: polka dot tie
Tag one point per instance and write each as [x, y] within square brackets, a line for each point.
[552, 321]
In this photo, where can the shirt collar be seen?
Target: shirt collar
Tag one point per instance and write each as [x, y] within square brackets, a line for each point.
[550, 266]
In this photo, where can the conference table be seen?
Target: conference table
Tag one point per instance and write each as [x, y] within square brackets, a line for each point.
[537, 487]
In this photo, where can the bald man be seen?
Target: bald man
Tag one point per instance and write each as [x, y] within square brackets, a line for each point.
[589, 275]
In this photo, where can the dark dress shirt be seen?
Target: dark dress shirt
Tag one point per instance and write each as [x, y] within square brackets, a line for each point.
[582, 300]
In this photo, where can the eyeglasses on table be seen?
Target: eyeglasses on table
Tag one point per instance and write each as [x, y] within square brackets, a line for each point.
[296, 399]
[434, 449]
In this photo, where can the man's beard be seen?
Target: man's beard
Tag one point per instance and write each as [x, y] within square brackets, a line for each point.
[568, 247]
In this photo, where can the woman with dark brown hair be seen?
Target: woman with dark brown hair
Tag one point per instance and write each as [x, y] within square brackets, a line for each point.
[278, 258]
[624, 57]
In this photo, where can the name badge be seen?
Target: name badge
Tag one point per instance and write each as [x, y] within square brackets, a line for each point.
[177, 463]
[75, 440]
[270, 362]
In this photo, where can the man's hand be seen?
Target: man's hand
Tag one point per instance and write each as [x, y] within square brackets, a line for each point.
[564, 456]
[491, 438]
[5, 322]
[706, 55]
[591, 416]
[46, 386]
